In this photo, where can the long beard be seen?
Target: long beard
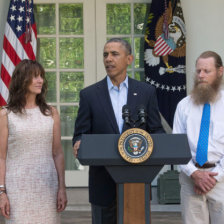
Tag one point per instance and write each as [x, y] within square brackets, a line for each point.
[205, 93]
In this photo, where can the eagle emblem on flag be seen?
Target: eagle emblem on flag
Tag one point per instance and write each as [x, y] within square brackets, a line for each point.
[165, 53]
[172, 44]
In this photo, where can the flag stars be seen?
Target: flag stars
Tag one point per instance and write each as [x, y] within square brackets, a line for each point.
[27, 19]
[13, 8]
[19, 28]
[23, 1]
[165, 87]
[21, 9]
[30, 10]
[173, 88]
[152, 82]
[20, 18]
[12, 18]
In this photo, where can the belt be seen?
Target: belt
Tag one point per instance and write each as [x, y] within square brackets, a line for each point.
[206, 165]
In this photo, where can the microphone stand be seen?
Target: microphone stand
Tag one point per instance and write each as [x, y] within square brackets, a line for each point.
[138, 123]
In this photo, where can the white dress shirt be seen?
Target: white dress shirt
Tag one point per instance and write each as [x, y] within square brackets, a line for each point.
[118, 98]
[187, 120]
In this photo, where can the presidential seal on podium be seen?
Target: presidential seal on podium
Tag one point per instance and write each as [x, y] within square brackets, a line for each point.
[135, 145]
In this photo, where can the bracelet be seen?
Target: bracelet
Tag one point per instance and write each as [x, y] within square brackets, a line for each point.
[2, 186]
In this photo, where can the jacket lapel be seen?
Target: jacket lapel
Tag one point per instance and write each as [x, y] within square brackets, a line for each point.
[104, 98]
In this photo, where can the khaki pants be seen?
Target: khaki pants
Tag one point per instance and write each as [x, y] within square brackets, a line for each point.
[201, 209]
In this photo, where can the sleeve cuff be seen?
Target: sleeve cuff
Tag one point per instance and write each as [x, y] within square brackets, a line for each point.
[189, 168]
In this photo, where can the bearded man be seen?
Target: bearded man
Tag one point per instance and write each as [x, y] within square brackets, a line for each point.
[201, 116]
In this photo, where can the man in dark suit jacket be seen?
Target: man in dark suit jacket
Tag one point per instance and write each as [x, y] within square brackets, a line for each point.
[100, 113]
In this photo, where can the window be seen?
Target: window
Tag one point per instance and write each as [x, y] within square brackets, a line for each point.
[71, 36]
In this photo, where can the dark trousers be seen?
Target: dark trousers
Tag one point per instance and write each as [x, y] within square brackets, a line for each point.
[104, 215]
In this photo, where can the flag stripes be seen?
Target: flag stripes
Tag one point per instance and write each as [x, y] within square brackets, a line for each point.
[20, 24]
[162, 48]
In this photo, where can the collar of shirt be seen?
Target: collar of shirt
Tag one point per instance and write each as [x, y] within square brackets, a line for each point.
[111, 86]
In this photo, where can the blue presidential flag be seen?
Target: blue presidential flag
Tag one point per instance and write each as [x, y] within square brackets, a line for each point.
[164, 56]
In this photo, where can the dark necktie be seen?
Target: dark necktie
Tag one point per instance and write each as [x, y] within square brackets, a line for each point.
[202, 148]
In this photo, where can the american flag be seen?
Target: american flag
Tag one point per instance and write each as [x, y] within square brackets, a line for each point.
[19, 42]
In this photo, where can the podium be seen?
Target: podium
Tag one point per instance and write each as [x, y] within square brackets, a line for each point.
[133, 180]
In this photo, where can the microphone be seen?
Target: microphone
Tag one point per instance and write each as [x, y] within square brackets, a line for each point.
[126, 114]
[142, 114]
